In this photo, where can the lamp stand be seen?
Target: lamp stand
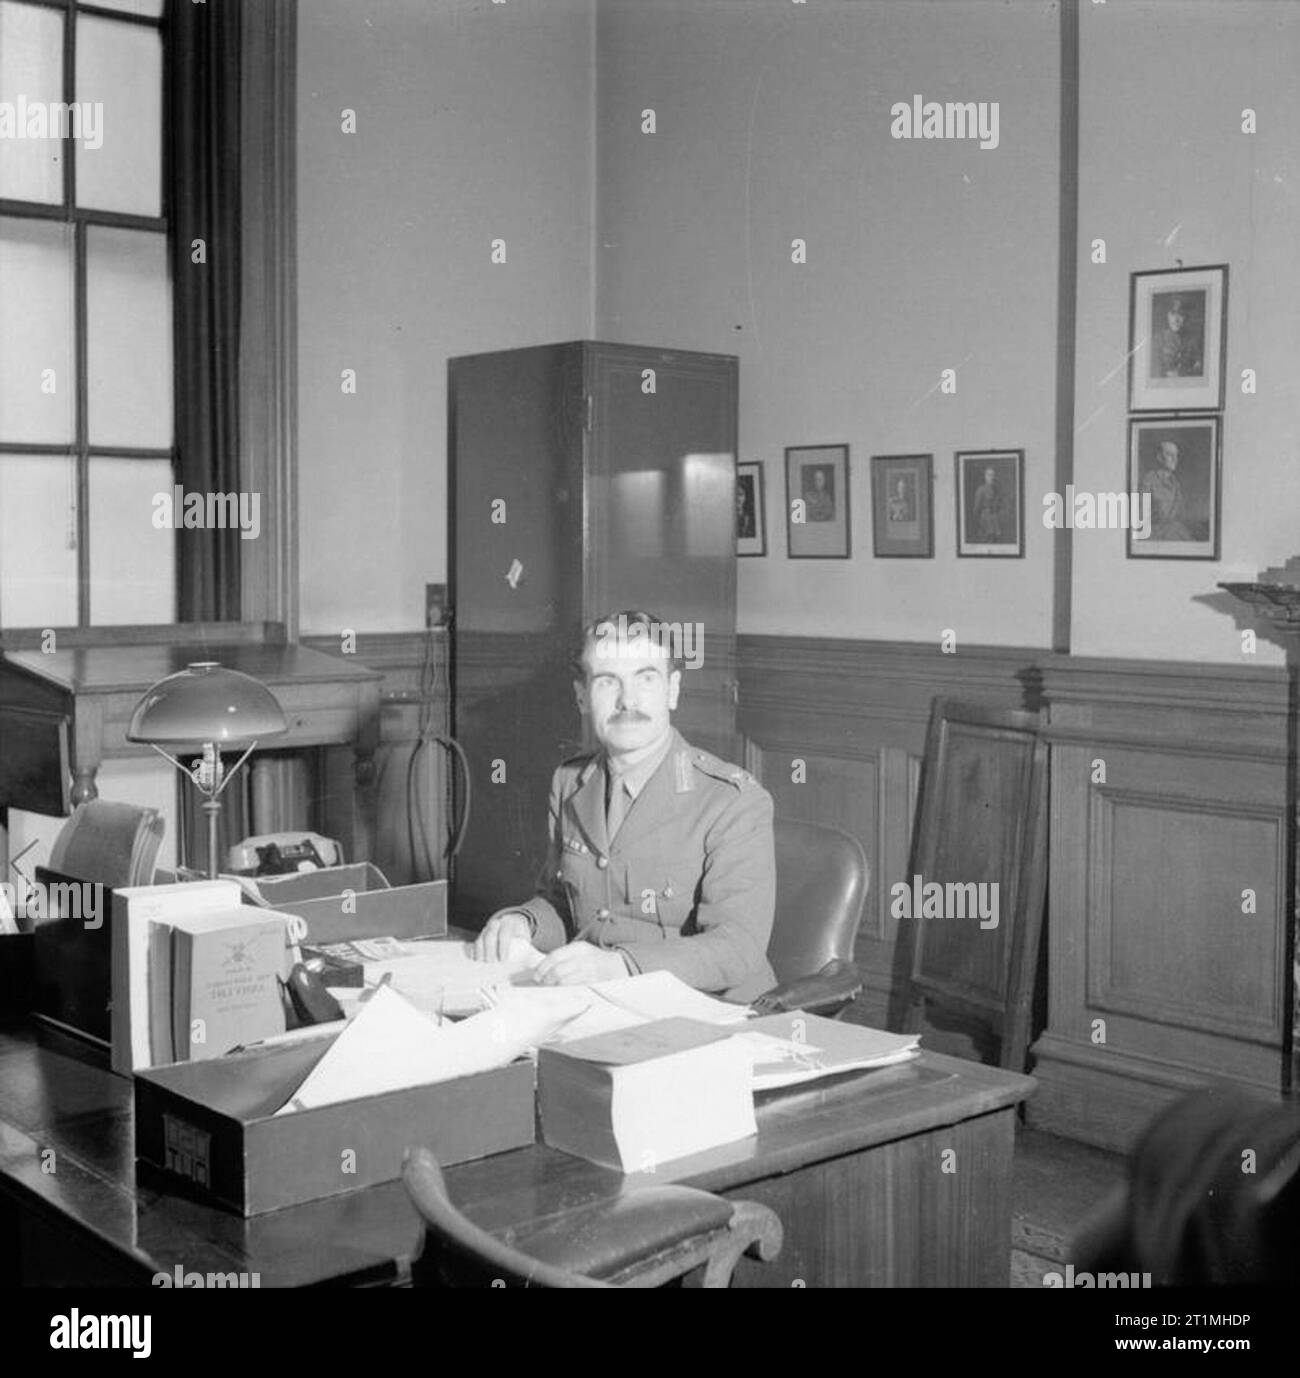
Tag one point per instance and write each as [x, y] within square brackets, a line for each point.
[209, 777]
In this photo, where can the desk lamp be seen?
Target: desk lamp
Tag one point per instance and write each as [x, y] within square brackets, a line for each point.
[209, 707]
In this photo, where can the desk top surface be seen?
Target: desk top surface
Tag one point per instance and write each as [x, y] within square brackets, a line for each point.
[117, 669]
[55, 1092]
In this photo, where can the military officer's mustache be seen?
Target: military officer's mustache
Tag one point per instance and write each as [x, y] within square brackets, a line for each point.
[629, 715]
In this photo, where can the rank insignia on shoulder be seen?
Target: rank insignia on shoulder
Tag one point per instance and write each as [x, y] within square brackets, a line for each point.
[718, 769]
[685, 781]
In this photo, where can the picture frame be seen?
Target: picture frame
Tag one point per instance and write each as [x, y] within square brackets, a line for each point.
[1184, 511]
[817, 512]
[902, 507]
[751, 509]
[1178, 339]
[990, 503]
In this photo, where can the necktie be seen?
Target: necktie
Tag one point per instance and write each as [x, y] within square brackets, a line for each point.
[616, 804]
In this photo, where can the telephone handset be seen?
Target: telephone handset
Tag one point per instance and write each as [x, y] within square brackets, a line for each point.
[277, 854]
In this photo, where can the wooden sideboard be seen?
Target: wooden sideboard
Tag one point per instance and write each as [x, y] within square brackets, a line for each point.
[328, 701]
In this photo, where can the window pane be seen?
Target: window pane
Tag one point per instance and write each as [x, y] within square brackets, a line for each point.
[132, 562]
[119, 74]
[38, 541]
[153, 8]
[37, 383]
[129, 338]
[31, 80]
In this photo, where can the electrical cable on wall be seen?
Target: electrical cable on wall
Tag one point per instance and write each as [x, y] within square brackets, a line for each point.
[427, 734]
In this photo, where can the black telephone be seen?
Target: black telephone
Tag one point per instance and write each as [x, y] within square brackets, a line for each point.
[278, 854]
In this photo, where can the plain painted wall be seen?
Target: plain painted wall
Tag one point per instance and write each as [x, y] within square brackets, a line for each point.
[1165, 174]
[473, 123]
[773, 122]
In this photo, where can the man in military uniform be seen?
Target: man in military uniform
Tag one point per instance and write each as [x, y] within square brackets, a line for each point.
[1177, 351]
[660, 856]
[1167, 505]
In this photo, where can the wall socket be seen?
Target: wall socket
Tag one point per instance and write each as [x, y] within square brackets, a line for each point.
[435, 605]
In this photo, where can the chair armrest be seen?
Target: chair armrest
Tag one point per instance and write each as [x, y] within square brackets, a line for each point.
[835, 986]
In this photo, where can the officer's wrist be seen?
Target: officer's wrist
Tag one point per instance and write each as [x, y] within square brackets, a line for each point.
[520, 914]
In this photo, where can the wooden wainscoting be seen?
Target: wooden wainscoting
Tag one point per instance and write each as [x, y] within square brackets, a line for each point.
[835, 729]
[1157, 980]
[1168, 807]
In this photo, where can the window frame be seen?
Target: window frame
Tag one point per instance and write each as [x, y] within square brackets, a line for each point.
[82, 219]
[268, 422]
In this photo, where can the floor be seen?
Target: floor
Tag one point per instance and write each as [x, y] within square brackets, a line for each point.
[1056, 1184]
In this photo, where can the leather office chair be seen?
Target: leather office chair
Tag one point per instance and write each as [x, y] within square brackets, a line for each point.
[644, 1238]
[112, 843]
[822, 879]
[1190, 1215]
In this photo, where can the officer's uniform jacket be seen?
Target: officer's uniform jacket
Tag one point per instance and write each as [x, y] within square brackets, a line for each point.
[688, 884]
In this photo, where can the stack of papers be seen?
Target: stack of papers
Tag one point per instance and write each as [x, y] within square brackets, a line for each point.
[441, 977]
[396, 1037]
[389, 1045]
[620, 1004]
[646, 1095]
[786, 1049]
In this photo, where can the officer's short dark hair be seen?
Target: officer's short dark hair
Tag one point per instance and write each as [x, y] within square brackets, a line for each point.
[616, 624]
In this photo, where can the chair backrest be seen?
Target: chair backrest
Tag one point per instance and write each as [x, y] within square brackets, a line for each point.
[981, 821]
[113, 843]
[458, 1252]
[642, 1238]
[821, 887]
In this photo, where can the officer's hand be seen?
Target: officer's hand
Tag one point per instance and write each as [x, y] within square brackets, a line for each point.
[579, 964]
[499, 934]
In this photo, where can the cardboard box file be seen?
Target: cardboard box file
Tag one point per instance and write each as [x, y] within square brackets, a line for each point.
[372, 909]
[213, 1124]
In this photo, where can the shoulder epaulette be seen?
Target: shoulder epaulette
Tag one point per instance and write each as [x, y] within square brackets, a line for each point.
[718, 769]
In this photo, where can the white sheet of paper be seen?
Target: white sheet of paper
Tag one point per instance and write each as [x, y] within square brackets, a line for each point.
[586, 1011]
[443, 977]
[661, 995]
[389, 1045]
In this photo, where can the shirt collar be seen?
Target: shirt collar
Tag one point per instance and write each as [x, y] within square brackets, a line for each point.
[635, 778]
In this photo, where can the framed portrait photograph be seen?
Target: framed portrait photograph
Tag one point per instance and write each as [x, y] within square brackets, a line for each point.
[1173, 467]
[991, 503]
[902, 506]
[817, 502]
[1178, 339]
[751, 510]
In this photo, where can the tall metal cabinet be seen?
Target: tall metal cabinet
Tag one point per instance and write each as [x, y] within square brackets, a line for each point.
[584, 478]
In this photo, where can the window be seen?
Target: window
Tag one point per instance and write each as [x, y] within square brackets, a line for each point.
[86, 330]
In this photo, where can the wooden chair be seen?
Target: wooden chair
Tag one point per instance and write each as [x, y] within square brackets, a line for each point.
[822, 878]
[982, 819]
[644, 1238]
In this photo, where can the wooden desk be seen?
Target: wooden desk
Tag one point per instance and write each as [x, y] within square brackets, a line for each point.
[855, 1169]
[328, 701]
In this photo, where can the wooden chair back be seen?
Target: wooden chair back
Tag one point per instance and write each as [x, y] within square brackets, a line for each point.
[981, 822]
